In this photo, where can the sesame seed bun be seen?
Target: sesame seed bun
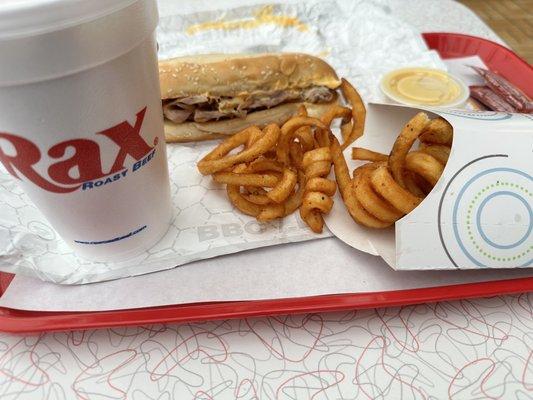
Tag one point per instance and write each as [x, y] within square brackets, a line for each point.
[233, 74]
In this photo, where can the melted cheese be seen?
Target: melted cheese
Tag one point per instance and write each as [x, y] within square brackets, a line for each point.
[264, 16]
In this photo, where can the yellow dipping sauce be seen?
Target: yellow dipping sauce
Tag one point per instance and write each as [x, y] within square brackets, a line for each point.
[423, 86]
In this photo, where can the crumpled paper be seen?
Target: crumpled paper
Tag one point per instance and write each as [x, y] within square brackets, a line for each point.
[360, 46]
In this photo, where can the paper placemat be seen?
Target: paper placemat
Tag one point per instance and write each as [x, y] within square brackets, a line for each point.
[313, 268]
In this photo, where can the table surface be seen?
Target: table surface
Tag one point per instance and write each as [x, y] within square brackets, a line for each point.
[471, 349]
[511, 19]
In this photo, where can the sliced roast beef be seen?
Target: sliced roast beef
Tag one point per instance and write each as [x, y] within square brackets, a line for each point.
[207, 115]
[176, 111]
[177, 115]
[235, 106]
[202, 108]
[317, 94]
[272, 99]
[197, 99]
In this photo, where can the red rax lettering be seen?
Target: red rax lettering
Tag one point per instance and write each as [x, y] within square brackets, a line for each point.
[129, 140]
[86, 156]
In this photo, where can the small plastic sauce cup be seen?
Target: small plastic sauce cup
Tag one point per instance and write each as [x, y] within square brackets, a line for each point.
[424, 87]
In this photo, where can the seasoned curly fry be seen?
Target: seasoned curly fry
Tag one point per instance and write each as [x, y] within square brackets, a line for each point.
[358, 153]
[346, 189]
[371, 201]
[324, 185]
[257, 196]
[358, 113]
[288, 130]
[295, 200]
[301, 141]
[264, 165]
[403, 143]
[238, 200]
[385, 185]
[318, 189]
[413, 184]
[424, 165]
[216, 161]
[439, 151]
[317, 162]
[273, 211]
[296, 154]
[270, 212]
[322, 137]
[346, 129]
[313, 206]
[391, 186]
[335, 112]
[438, 131]
[258, 180]
[280, 170]
[284, 187]
[254, 136]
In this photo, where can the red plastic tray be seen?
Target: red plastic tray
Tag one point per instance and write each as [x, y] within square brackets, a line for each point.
[497, 57]
[449, 45]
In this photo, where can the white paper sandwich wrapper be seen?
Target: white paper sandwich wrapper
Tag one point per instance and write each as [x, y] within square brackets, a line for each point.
[479, 215]
[361, 44]
[205, 224]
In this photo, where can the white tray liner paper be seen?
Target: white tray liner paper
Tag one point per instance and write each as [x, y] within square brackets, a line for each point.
[312, 268]
[361, 46]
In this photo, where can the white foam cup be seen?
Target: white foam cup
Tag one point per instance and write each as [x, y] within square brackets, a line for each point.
[81, 125]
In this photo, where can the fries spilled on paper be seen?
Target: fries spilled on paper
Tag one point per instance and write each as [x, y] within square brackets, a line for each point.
[281, 169]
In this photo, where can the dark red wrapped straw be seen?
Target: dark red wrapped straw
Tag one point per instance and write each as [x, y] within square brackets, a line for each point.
[493, 101]
[506, 90]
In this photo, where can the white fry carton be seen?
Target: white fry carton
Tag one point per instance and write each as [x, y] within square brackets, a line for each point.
[479, 215]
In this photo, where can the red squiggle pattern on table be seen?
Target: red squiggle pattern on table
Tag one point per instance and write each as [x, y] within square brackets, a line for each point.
[471, 349]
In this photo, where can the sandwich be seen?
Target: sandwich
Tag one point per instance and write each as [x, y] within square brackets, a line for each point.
[208, 96]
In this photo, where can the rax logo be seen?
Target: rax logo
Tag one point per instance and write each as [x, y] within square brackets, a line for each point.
[86, 156]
